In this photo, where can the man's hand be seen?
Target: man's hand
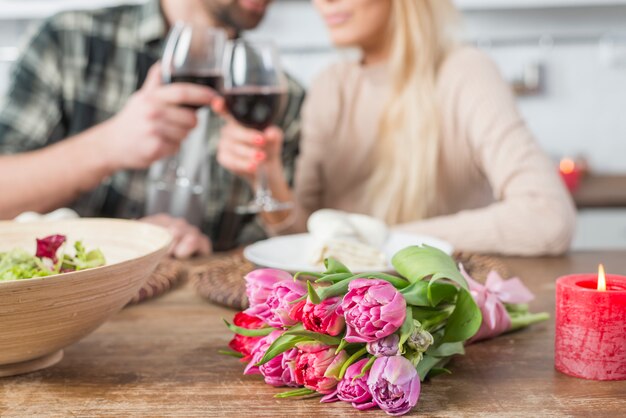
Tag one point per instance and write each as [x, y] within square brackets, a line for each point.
[188, 240]
[153, 123]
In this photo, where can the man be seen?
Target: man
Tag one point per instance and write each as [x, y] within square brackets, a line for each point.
[87, 114]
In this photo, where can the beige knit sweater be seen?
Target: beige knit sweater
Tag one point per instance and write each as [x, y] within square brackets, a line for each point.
[497, 191]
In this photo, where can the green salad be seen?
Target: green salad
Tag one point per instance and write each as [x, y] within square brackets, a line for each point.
[51, 257]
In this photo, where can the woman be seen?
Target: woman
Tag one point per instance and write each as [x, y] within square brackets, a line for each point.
[422, 132]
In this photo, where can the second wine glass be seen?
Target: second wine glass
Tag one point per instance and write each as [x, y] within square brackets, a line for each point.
[255, 90]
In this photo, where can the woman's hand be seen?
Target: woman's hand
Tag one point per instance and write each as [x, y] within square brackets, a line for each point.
[188, 240]
[241, 149]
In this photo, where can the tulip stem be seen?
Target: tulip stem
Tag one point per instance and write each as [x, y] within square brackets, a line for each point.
[366, 368]
[524, 320]
[260, 332]
[306, 273]
[342, 345]
[230, 353]
[294, 393]
[353, 358]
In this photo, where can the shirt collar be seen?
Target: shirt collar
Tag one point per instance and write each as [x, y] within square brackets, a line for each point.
[152, 25]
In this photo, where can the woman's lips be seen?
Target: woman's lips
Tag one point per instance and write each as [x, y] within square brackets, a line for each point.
[337, 19]
[256, 6]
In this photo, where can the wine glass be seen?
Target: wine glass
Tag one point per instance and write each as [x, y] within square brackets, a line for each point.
[178, 185]
[255, 91]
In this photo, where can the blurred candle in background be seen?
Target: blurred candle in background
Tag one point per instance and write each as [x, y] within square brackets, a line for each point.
[571, 174]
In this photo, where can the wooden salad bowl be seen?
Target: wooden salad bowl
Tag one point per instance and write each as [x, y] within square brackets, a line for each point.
[39, 317]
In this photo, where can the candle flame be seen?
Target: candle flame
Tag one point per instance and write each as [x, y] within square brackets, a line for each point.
[567, 166]
[601, 279]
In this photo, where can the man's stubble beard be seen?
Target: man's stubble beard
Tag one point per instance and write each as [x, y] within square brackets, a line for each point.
[225, 15]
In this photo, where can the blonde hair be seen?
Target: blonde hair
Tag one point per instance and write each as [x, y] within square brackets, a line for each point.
[402, 189]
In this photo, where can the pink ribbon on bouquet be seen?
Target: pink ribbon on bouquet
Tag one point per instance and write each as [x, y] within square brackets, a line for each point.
[491, 298]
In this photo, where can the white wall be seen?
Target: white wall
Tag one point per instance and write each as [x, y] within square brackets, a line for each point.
[582, 109]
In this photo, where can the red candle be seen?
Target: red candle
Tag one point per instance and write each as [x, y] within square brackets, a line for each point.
[591, 326]
[570, 173]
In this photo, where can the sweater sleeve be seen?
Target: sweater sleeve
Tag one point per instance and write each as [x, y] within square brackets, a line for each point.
[533, 214]
[31, 112]
[320, 113]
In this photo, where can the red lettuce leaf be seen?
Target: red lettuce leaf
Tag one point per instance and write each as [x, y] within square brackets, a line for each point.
[47, 247]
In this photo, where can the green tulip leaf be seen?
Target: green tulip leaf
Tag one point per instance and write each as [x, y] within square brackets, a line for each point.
[418, 263]
[438, 371]
[313, 296]
[337, 289]
[432, 318]
[447, 350]
[397, 282]
[307, 274]
[283, 343]
[334, 278]
[421, 294]
[407, 327]
[464, 321]
[323, 338]
[334, 266]
[230, 353]
[429, 364]
[295, 393]
[260, 332]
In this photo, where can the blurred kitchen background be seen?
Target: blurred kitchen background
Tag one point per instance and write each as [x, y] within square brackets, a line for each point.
[566, 60]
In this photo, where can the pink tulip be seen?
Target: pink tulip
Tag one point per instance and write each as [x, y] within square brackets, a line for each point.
[373, 309]
[317, 367]
[385, 347]
[323, 318]
[354, 389]
[280, 371]
[394, 384]
[259, 284]
[258, 351]
[278, 310]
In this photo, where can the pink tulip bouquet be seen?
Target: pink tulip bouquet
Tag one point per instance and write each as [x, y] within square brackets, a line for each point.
[371, 339]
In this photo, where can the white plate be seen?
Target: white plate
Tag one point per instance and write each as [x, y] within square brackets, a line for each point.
[293, 253]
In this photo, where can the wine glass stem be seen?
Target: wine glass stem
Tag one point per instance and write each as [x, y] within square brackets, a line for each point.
[263, 192]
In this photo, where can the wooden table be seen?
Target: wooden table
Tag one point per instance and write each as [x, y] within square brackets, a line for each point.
[160, 359]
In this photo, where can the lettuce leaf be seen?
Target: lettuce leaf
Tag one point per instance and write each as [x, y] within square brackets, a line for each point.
[18, 264]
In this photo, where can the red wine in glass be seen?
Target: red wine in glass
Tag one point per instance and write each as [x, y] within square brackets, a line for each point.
[255, 91]
[213, 79]
[254, 106]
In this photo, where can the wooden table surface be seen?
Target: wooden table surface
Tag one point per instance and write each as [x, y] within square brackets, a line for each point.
[160, 359]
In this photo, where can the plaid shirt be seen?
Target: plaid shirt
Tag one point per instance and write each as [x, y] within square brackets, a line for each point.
[78, 71]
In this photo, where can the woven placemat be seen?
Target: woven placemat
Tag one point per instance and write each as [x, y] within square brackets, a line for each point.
[168, 274]
[220, 281]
